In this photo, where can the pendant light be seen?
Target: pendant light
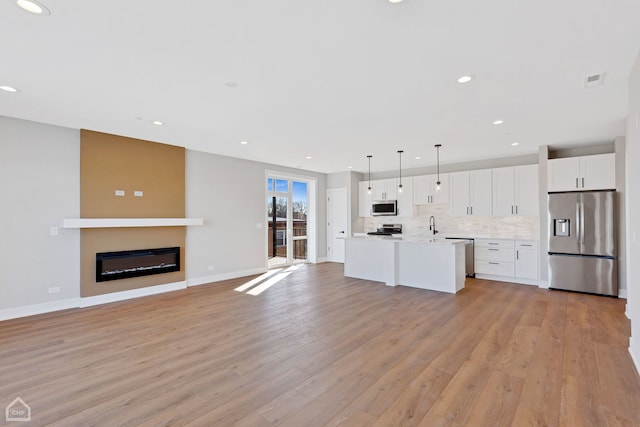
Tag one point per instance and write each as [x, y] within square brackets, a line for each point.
[400, 184]
[369, 157]
[438, 165]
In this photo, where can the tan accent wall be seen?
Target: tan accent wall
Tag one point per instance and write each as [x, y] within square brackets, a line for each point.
[109, 163]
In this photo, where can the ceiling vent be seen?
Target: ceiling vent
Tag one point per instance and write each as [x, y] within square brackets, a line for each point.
[594, 80]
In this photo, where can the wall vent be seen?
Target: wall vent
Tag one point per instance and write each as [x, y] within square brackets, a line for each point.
[594, 80]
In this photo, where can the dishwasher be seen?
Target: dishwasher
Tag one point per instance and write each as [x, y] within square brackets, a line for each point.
[468, 255]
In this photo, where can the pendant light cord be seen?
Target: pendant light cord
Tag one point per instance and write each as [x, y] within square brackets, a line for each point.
[369, 157]
[400, 155]
[438, 164]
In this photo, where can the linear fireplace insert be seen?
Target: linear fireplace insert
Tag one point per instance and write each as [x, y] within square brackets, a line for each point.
[142, 262]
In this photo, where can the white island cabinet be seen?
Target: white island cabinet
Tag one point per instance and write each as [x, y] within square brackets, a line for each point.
[419, 262]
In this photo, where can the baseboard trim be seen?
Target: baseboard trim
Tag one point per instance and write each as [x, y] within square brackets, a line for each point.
[130, 294]
[516, 280]
[42, 308]
[622, 293]
[634, 351]
[204, 280]
[320, 260]
[543, 284]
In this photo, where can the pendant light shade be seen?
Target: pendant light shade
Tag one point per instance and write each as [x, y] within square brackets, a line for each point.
[369, 157]
[438, 166]
[400, 182]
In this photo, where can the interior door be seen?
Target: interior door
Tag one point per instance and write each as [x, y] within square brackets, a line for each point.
[337, 221]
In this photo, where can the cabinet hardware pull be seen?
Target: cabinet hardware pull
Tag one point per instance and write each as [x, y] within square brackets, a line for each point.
[582, 182]
[491, 249]
[494, 263]
[492, 243]
[524, 244]
[511, 209]
[471, 210]
[517, 254]
[577, 183]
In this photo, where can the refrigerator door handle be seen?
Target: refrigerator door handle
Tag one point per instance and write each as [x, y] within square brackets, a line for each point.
[578, 228]
[581, 226]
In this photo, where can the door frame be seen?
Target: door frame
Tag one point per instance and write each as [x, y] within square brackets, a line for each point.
[312, 234]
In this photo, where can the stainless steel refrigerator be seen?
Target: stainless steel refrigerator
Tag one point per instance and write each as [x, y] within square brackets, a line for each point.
[582, 242]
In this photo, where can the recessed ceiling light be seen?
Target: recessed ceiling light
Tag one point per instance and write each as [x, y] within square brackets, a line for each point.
[418, 157]
[395, 1]
[465, 79]
[498, 122]
[34, 7]
[8, 89]
[349, 167]
[513, 144]
[308, 157]
[157, 122]
[243, 142]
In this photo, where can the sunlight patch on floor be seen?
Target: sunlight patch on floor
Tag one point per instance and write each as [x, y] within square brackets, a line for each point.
[257, 280]
[266, 280]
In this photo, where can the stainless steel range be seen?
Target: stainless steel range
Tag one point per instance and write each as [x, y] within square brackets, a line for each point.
[387, 230]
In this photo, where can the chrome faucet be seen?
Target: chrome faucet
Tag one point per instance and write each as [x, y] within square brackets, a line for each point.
[432, 224]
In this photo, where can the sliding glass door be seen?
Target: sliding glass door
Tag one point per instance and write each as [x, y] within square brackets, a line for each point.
[287, 202]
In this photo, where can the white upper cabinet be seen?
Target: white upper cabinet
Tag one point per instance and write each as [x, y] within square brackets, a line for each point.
[405, 198]
[597, 172]
[386, 189]
[364, 199]
[425, 189]
[515, 190]
[471, 192]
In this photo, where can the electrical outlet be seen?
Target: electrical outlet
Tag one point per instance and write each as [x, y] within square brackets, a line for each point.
[138, 193]
[54, 290]
[120, 193]
[211, 268]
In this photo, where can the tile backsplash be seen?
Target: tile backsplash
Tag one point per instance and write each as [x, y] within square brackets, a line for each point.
[508, 227]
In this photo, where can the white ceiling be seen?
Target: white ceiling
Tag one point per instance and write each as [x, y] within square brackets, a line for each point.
[331, 79]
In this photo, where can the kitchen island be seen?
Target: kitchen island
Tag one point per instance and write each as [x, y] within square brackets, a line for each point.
[415, 261]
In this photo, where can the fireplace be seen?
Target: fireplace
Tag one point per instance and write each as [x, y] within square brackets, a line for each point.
[142, 262]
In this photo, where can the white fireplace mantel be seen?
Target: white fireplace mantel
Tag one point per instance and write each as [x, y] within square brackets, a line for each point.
[129, 222]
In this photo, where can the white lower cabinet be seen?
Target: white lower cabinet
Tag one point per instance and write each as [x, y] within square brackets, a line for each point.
[494, 257]
[527, 259]
[509, 260]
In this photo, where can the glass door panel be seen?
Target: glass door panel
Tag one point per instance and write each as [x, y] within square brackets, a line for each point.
[299, 220]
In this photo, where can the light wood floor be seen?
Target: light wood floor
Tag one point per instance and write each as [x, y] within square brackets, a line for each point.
[320, 349]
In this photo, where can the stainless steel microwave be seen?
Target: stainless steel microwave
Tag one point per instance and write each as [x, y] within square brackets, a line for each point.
[384, 207]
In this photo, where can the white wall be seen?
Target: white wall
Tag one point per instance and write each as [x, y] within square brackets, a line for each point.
[230, 195]
[633, 211]
[40, 175]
